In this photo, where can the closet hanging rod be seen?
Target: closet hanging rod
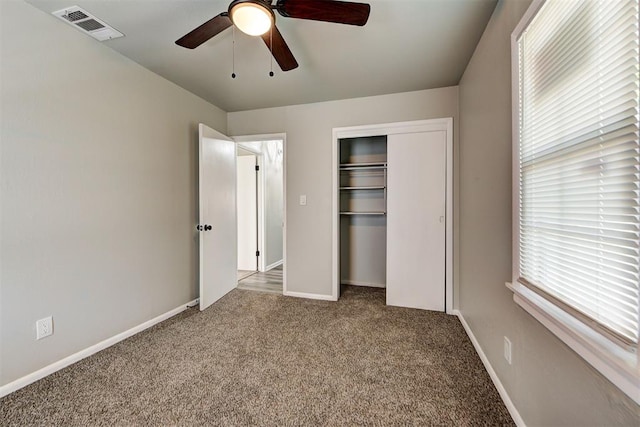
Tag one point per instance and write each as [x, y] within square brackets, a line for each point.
[352, 168]
[363, 165]
[372, 187]
[363, 213]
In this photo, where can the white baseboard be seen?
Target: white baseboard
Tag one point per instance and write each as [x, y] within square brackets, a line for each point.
[309, 296]
[272, 266]
[367, 284]
[69, 360]
[492, 373]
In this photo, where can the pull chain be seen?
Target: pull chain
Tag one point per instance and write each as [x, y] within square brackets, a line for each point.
[271, 49]
[233, 49]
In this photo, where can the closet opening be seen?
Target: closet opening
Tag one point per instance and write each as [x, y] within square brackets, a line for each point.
[363, 208]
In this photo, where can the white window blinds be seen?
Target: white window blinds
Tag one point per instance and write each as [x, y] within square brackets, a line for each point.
[579, 161]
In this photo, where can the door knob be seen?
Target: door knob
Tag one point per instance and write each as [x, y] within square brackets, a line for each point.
[207, 227]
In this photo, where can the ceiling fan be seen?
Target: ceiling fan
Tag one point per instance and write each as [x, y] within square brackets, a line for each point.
[256, 18]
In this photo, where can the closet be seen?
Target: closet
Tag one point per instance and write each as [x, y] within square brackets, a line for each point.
[363, 208]
[392, 213]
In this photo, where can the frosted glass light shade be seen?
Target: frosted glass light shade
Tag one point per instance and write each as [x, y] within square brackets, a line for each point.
[251, 18]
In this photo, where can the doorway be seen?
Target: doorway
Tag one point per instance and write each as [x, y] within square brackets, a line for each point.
[260, 204]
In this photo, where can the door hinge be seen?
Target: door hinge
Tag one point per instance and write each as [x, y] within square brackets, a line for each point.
[257, 253]
[257, 168]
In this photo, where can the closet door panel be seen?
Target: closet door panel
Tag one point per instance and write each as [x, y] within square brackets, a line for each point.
[416, 206]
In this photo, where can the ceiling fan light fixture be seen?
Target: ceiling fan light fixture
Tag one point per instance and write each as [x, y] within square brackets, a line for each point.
[252, 17]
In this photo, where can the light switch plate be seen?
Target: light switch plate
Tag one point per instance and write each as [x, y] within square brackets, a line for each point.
[303, 200]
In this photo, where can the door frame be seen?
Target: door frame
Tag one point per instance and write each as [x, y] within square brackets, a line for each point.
[441, 124]
[261, 183]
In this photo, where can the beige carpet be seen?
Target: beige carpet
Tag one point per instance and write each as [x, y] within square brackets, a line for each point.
[261, 359]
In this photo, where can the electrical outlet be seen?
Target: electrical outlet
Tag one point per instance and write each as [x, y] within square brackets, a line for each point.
[507, 350]
[44, 327]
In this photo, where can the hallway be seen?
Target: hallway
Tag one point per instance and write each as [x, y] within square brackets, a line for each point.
[270, 281]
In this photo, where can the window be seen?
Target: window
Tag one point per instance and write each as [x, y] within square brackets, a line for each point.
[576, 178]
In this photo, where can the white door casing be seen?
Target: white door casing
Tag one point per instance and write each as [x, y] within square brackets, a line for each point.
[217, 205]
[444, 125]
[416, 210]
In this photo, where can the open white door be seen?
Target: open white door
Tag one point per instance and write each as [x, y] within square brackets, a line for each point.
[218, 240]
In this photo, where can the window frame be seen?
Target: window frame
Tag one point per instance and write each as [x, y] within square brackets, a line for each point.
[619, 364]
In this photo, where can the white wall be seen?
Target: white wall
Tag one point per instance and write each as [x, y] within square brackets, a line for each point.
[98, 184]
[309, 166]
[549, 384]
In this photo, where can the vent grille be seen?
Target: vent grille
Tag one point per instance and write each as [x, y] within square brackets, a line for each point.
[90, 25]
[75, 16]
[87, 23]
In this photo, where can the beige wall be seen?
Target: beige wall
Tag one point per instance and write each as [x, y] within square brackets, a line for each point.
[98, 190]
[309, 166]
[549, 384]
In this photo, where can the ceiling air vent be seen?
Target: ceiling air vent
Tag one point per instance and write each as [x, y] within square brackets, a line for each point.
[87, 23]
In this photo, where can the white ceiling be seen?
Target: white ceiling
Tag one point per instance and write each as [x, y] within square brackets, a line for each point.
[406, 45]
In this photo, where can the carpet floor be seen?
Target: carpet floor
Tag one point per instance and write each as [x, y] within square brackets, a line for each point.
[262, 359]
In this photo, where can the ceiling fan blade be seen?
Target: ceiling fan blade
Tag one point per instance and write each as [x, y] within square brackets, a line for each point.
[205, 31]
[340, 12]
[281, 51]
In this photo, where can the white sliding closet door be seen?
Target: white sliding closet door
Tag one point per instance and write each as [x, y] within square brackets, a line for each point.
[416, 212]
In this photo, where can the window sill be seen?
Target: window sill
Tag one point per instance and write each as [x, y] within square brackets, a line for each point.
[618, 365]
